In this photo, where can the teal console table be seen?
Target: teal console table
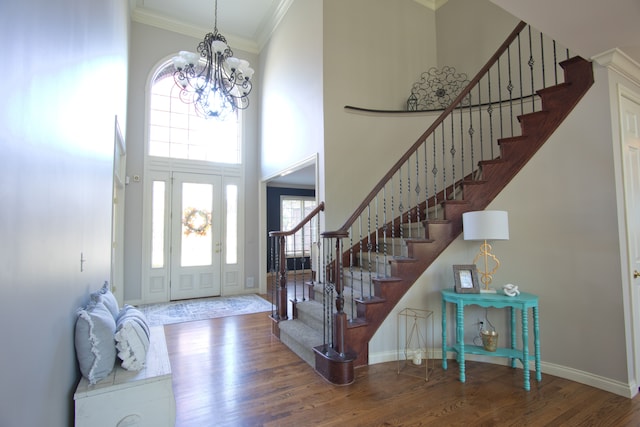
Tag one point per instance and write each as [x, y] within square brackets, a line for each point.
[522, 302]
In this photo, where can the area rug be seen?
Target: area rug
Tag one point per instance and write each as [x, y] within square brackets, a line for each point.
[203, 308]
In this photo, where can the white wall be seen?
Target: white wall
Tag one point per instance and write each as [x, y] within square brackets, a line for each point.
[149, 47]
[291, 123]
[64, 85]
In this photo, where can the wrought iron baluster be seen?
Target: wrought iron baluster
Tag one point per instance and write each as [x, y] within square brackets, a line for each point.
[384, 226]
[426, 182]
[295, 269]
[409, 208]
[274, 301]
[500, 98]
[393, 218]
[303, 260]
[520, 75]
[361, 258]
[434, 171]
[444, 166]
[471, 133]
[417, 189]
[327, 300]
[531, 64]
[555, 61]
[473, 163]
[400, 205]
[452, 151]
[375, 235]
[510, 89]
[490, 112]
[351, 262]
[369, 245]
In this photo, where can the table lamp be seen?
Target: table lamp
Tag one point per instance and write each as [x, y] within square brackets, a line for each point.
[483, 226]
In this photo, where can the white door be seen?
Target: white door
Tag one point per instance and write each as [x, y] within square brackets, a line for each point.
[196, 238]
[630, 126]
[117, 215]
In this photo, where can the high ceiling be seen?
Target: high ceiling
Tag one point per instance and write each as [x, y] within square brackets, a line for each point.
[588, 27]
[247, 24]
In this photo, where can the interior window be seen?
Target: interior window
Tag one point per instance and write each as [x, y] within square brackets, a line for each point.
[292, 211]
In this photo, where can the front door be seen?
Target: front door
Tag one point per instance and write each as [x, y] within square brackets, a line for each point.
[630, 126]
[196, 238]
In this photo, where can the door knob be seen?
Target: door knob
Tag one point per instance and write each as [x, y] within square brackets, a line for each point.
[636, 274]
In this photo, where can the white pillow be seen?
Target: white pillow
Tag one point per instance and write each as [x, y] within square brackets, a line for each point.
[94, 342]
[132, 338]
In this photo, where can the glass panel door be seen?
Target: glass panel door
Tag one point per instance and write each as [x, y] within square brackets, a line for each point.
[196, 239]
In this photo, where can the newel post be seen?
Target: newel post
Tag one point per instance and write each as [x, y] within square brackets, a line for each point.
[339, 317]
[282, 281]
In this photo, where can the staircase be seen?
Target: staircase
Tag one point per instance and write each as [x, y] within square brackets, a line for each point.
[367, 280]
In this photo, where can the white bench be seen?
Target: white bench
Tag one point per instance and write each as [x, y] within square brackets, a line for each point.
[131, 398]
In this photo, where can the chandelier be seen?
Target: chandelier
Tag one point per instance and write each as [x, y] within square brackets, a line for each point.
[213, 80]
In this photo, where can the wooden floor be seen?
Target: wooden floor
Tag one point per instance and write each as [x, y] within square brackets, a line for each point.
[232, 372]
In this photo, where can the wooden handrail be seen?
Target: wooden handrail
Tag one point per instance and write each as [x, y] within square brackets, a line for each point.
[505, 45]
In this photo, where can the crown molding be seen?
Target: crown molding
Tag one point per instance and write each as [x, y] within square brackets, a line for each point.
[620, 62]
[432, 4]
[146, 17]
[268, 26]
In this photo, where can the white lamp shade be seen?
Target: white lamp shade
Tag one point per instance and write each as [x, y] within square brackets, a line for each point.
[191, 58]
[485, 225]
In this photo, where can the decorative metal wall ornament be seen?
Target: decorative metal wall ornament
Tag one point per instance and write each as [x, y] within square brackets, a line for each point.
[218, 85]
[436, 89]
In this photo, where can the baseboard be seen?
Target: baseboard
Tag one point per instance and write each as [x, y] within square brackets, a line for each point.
[617, 387]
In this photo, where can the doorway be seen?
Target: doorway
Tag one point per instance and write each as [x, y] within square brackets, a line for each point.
[192, 236]
[630, 134]
[303, 175]
[196, 236]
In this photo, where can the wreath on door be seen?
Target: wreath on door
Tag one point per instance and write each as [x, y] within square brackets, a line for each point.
[197, 221]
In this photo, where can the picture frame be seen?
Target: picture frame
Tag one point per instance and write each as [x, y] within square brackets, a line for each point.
[466, 279]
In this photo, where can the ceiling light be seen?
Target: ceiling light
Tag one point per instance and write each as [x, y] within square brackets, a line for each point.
[213, 80]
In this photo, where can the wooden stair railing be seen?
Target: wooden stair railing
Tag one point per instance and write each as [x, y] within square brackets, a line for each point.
[467, 175]
[280, 301]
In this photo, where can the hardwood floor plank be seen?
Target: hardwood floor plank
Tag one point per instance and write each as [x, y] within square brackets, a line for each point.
[232, 372]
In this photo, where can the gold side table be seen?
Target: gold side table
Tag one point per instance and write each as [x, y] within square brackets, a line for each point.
[415, 344]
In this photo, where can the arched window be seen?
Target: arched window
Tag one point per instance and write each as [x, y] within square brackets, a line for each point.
[176, 131]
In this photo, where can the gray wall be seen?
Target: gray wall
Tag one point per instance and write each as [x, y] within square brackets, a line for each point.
[373, 52]
[65, 81]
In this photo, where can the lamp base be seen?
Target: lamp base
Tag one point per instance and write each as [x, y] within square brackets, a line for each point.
[488, 291]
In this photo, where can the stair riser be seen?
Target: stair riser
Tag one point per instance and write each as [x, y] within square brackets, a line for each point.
[348, 296]
[413, 230]
[303, 351]
[374, 263]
